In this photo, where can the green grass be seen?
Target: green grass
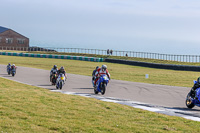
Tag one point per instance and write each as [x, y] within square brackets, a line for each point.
[31, 109]
[117, 71]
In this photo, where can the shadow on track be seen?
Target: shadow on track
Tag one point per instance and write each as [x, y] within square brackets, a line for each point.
[184, 109]
[7, 76]
[45, 85]
[84, 88]
[3, 74]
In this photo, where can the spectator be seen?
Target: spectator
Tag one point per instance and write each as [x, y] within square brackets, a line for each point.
[111, 52]
[126, 55]
[108, 52]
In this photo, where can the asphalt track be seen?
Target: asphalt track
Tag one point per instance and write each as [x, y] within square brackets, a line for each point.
[157, 95]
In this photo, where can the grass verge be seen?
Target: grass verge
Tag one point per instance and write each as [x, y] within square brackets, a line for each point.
[117, 71]
[26, 108]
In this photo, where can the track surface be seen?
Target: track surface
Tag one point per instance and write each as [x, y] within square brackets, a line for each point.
[158, 95]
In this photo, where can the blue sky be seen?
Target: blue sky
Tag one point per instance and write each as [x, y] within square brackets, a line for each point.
[163, 26]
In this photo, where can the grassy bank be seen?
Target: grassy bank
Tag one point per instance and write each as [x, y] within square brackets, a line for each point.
[26, 108]
[117, 71]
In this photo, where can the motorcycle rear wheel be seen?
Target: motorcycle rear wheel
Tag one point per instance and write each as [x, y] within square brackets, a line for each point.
[95, 91]
[56, 85]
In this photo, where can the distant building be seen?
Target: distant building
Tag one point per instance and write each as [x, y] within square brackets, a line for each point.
[12, 39]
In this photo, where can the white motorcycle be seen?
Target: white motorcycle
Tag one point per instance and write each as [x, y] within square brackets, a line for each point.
[60, 81]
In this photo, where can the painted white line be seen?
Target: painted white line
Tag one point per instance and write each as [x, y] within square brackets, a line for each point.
[192, 118]
[108, 100]
[148, 108]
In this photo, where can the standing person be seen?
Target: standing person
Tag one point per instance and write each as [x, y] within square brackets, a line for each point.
[111, 52]
[101, 71]
[108, 52]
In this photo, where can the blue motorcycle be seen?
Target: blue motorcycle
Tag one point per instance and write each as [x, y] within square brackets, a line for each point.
[194, 100]
[9, 70]
[13, 72]
[101, 85]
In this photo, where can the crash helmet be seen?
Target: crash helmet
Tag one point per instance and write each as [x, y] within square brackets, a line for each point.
[104, 67]
[54, 67]
[13, 64]
[62, 68]
[97, 67]
[198, 79]
[9, 64]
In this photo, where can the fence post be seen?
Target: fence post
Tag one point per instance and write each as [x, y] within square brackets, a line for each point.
[199, 58]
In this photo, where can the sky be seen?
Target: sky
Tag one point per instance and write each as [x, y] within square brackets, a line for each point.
[161, 26]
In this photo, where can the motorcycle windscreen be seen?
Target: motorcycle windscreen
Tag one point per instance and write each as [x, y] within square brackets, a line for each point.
[105, 77]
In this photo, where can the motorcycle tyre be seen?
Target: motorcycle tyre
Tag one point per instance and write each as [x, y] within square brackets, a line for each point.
[53, 81]
[56, 86]
[60, 85]
[13, 74]
[103, 89]
[95, 91]
[188, 104]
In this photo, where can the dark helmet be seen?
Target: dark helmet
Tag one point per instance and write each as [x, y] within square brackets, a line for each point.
[62, 68]
[97, 67]
[198, 80]
[104, 67]
[55, 67]
[9, 64]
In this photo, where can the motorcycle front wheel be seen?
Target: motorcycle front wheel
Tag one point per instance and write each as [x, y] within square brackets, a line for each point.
[189, 102]
[13, 74]
[61, 84]
[103, 89]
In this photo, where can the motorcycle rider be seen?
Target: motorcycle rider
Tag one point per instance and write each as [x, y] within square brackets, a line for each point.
[93, 74]
[195, 86]
[53, 70]
[101, 71]
[62, 70]
[13, 67]
[8, 66]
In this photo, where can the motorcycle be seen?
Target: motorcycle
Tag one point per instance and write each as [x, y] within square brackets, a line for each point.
[8, 70]
[54, 78]
[192, 101]
[13, 72]
[60, 81]
[93, 79]
[101, 85]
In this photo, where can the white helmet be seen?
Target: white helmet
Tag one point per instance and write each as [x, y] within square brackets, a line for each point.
[13, 64]
[104, 67]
